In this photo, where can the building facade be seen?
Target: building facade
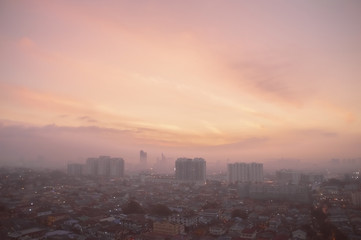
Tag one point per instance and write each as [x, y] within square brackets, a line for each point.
[244, 172]
[190, 170]
[91, 166]
[105, 166]
[116, 167]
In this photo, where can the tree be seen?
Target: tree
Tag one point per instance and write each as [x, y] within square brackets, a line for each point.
[132, 207]
[160, 210]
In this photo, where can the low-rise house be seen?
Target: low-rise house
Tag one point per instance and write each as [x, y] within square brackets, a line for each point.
[186, 220]
[299, 235]
[54, 218]
[168, 228]
[217, 230]
[266, 235]
[30, 232]
[248, 233]
[274, 223]
[237, 228]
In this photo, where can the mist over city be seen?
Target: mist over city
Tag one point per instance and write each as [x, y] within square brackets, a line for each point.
[163, 120]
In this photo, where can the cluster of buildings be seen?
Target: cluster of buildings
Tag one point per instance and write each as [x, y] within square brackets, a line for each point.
[187, 170]
[340, 202]
[53, 205]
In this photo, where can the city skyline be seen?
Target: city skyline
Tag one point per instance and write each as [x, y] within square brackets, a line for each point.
[233, 80]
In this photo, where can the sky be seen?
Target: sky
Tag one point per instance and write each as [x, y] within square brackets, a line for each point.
[223, 80]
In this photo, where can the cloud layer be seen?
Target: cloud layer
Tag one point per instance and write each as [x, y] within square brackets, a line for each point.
[207, 78]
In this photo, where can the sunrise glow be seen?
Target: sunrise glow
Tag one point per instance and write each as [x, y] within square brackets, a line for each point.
[262, 79]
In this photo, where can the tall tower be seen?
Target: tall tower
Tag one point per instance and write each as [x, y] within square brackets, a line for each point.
[143, 158]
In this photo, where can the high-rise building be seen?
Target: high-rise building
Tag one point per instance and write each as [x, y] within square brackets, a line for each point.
[116, 167]
[91, 166]
[143, 158]
[244, 172]
[237, 172]
[190, 170]
[105, 166]
[255, 173]
[183, 168]
[199, 166]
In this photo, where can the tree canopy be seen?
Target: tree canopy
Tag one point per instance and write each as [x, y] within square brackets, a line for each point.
[160, 210]
[132, 207]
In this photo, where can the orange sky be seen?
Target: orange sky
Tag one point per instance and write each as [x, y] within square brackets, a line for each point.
[220, 79]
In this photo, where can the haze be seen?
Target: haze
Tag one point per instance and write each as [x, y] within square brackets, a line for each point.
[223, 80]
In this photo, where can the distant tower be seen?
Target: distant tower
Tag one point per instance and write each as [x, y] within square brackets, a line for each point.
[190, 170]
[143, 158]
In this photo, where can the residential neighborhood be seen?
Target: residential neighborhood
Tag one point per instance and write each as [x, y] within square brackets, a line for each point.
[54, 205]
